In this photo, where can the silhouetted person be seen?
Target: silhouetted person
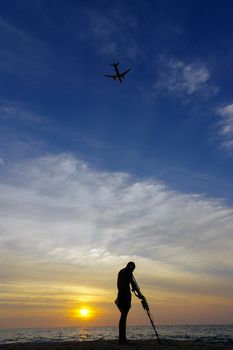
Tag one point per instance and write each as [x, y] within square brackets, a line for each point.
[124, 280]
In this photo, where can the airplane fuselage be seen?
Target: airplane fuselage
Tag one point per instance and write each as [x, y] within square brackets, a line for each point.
[118, 76]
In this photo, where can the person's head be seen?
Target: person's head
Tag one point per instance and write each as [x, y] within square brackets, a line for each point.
[131, 266]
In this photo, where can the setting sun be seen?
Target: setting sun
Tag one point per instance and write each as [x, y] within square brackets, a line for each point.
[84, 312]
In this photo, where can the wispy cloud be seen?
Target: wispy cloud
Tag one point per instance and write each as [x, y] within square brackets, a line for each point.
[225, 127]
[14, 30]
[179, 78]
[63, 223]
[65, 211]
[16, 111]
[113, 32]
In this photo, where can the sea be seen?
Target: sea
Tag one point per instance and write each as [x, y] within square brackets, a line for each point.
[194, 333]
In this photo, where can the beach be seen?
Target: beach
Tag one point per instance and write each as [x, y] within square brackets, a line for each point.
[113, 345]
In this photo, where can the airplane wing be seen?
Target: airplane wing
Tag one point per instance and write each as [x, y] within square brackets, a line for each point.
[123, 74]
[110, 76]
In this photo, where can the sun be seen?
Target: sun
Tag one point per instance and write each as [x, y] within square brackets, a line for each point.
[84, 312]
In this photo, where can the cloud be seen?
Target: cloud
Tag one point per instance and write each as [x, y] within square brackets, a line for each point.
[179, 78]
[15, 111]
[14, 30]
[67, 228]
[64, 211]
[113, 32]
[225, 127]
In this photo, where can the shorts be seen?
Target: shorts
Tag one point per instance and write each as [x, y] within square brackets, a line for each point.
[124, 300]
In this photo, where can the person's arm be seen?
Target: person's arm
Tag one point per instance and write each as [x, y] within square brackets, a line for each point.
[135, 288]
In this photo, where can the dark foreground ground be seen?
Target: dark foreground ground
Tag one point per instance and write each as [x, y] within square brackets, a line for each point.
[113, 345]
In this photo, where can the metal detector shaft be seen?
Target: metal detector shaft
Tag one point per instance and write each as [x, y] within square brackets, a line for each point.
[152, 323]
[145, 306]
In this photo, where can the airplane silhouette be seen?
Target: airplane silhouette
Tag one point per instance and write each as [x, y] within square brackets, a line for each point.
[118, 76]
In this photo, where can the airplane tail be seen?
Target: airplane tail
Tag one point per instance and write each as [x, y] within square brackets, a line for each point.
[114, 64]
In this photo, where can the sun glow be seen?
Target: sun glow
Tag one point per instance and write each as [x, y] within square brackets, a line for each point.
[84, 312]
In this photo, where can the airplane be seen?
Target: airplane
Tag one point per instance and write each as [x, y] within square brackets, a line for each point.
[118, 76]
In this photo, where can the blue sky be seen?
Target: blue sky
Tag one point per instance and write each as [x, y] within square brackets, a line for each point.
[153, 153]
[163, 121]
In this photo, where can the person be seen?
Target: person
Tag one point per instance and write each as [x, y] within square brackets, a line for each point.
[124, 281]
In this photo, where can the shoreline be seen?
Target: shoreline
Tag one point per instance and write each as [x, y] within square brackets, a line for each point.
[113, 345]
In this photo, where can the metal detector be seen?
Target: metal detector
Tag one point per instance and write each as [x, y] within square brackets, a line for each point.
[145, 306]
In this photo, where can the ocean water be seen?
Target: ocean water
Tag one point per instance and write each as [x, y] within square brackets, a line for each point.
[196, 333]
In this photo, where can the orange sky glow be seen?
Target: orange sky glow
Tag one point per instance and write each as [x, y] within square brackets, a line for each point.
[58, 304]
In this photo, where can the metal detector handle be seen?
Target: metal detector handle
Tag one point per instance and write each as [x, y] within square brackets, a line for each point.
[136, 291]
[139, 296]
[145, 304]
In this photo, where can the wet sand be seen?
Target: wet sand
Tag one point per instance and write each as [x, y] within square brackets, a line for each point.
[113, 345]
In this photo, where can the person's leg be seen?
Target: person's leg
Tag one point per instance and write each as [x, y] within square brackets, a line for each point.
[122, 326]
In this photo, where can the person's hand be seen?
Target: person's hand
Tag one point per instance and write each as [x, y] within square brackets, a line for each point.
[139, 295]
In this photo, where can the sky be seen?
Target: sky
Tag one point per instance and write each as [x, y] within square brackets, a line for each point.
[94, 173]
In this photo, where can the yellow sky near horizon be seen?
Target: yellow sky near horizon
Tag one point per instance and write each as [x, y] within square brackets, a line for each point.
[57, 303]
[167, 308]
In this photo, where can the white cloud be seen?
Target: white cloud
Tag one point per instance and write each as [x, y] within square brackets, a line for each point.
[101, 26]
[179, 78]
[15, 111]
[13, 30]
[225, 127]
[113, 32]
[57, 209]
[194, 76]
